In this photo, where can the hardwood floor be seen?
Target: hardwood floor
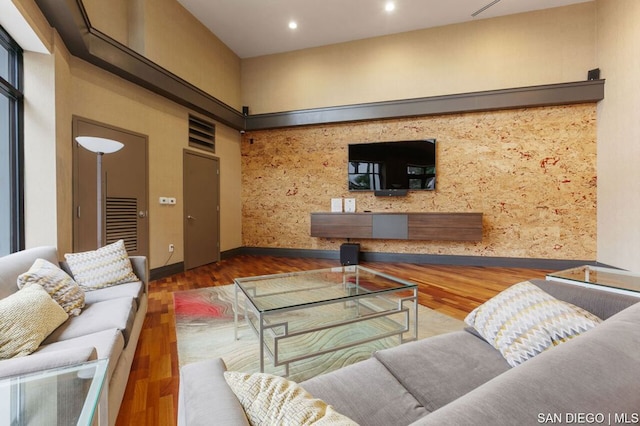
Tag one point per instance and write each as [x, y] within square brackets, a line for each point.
[151, 397]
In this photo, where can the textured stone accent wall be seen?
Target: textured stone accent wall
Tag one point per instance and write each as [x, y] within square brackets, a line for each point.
[531, 172]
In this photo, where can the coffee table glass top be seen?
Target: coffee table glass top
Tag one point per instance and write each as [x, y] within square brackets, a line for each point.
[596, 275]
[281, 291]
[64, 395]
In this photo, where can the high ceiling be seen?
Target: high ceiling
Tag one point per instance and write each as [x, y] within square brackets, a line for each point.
[260, 27]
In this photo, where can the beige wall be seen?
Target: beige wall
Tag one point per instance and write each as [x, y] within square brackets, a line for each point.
[63, 86]
[178, 42]
[530, 172]
[543, 47]
[166, 33]
[619, 134]
[100, 96]
[523, 169]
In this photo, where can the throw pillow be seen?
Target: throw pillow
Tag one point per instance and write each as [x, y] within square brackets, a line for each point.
[27, 317]
[104, 267]
[60, 286]
[270, 400]
[523, 321]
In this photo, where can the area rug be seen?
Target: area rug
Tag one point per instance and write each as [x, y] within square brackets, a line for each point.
[205, 329]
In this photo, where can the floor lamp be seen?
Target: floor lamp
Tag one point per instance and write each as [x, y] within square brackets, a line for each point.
[100, 146]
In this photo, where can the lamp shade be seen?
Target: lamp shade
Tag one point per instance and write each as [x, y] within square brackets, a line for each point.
[99, 145]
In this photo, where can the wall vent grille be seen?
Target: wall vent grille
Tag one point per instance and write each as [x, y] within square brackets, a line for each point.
[202, 134]
[122, 222]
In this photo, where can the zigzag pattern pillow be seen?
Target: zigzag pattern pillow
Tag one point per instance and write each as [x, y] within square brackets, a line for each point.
[104, 267]
[523, 321]
[272, 400]
[60, 286]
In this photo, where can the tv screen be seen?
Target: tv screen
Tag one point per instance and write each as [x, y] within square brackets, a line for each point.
[401, 165]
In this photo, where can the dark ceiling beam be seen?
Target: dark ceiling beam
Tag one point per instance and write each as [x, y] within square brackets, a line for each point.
[69, 18]
[522, 97]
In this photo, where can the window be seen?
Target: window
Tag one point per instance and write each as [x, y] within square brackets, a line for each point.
[11, 182]
[365, 175]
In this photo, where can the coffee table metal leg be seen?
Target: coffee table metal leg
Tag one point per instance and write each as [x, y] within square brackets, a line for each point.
[235, 312]
[261, 340]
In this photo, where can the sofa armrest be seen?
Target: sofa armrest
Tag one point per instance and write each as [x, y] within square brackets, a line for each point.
[141, 269]
[205, 396]
[46, 360]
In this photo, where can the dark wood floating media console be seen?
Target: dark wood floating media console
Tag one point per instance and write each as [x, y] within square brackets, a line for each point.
[398, 226]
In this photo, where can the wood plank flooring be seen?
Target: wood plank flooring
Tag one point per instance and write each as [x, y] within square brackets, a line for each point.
[151, 397]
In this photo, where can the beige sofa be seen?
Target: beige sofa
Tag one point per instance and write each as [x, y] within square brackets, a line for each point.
[108, 326]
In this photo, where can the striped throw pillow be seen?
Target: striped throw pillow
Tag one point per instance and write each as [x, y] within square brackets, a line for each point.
[104, 267]
[523, 321]
[272, 400]
[60, 286]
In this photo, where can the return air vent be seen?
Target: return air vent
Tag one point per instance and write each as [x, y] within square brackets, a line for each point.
[202, 134]
[122, 222]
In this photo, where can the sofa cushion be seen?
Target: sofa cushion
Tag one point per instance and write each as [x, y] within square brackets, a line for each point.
[594, 373]
[442, 368]
[116, 313]
[107, 343]
[269, 399]
[523, 321]
[104, 267]
[12, 265]
[367, 393]
[60, 286]
[133, 290]
[26, 319]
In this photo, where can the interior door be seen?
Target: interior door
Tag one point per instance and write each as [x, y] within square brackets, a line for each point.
[125, 200]
[201, 209]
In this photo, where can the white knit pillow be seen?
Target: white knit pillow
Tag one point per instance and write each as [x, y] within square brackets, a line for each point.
[523, 321]
[104, 267]
[272, 400]
[27, 317]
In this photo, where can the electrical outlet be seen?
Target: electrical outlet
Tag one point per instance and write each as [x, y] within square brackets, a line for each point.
[171, 247]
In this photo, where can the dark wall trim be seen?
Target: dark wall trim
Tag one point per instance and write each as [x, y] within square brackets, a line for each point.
[69, 18]
[522, 97]
[421, 259]
[166, 271]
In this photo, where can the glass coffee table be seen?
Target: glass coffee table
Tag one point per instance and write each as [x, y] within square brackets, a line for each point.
[74, 394]
[600, 278]
[300, 315]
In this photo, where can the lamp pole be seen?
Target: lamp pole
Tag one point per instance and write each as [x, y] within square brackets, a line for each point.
[99, 146]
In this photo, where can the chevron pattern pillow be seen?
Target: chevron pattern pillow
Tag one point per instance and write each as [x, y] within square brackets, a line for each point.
[273, 400]
[104, 267]
[523, 321]
[60, 286]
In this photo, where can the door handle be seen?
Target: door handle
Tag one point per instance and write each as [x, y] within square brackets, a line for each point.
[191, 217]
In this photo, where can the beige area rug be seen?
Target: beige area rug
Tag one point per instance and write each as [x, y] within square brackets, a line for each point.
[205, 330]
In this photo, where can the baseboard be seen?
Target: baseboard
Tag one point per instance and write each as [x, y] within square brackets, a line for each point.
[423, 259]
[417, 258]
[166, 271]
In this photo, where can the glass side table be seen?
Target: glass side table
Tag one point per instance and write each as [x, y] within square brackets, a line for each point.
[607, 279]
[70, 395]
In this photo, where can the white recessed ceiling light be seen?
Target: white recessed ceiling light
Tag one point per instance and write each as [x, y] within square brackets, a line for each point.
[293, 25]
[390, 6]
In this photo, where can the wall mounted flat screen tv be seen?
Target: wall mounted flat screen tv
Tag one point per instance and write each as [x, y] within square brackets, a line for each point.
[401, 165]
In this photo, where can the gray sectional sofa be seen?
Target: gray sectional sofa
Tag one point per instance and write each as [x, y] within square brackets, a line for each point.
[459, 379]
[108, 326]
